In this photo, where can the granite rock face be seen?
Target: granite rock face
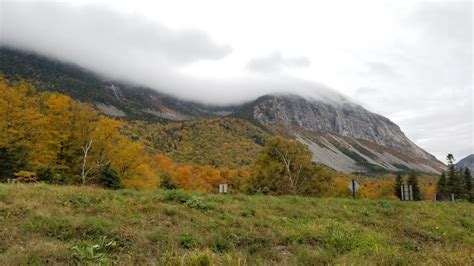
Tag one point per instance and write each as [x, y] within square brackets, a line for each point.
[322, 120]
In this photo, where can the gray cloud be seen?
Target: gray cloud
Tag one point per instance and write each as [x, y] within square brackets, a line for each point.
[122, 47]
[276, 63]
[132, 49]
[62, 30]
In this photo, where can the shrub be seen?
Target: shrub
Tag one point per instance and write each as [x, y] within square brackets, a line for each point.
[99, 253]
[109, 178]
[26, 177]
[187, 241]
[198, 203]
[220, 244]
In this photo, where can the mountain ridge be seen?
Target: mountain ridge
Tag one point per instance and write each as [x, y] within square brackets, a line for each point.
[466, 162]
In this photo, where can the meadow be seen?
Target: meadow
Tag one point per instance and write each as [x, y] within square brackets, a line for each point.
[47, 224]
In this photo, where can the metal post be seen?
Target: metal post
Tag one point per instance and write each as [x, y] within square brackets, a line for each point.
[353, 189]
[411, 192]
[452, 197]
[401, 192]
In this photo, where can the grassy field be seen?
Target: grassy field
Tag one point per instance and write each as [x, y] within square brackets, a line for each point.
[43, 224]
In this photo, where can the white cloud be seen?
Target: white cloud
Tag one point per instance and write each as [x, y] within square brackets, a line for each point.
[276, 63]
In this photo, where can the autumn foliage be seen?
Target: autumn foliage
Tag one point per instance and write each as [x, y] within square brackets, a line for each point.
[63, 141]
[45, 133]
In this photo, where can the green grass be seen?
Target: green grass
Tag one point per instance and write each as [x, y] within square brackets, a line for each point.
[42, 224]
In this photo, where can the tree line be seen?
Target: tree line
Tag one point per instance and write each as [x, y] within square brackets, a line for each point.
[411, 180]
[455, 181]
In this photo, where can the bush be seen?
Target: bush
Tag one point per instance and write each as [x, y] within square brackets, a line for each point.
[26, 177]
[187, 241]
[98, 253]
[197, 203]
[109, 178]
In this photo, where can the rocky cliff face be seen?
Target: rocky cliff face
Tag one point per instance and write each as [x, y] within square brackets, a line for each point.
[357, 138]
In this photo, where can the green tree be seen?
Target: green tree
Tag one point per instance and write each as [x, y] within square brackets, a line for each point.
[285, 167]
[109, 178]
[441, 187]
[455, 180]
[396, 187]
[10, 162]
[413, 182]
[468, 184]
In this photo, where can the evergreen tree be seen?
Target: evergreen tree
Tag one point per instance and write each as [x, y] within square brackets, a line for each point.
[10, 162]
[451, 172]
[455, 179]
[468, 184]
[109, 178]
[397, 186]
[442, 184]
[413, 182]
[452, 182]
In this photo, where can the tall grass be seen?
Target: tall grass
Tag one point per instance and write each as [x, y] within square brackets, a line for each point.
[42, 224]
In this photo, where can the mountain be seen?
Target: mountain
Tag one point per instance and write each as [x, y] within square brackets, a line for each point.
[341, 134]
[110, 97]
[466, 162]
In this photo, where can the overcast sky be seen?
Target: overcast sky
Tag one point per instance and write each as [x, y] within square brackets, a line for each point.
[410, 61]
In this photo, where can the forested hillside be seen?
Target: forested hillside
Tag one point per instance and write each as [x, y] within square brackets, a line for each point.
[113, 98]
[63, 141]
[221, 142]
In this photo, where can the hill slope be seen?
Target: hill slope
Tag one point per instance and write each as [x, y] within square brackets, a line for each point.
[110, 97]
[41, 224]
[220, 142]
[466, 162]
